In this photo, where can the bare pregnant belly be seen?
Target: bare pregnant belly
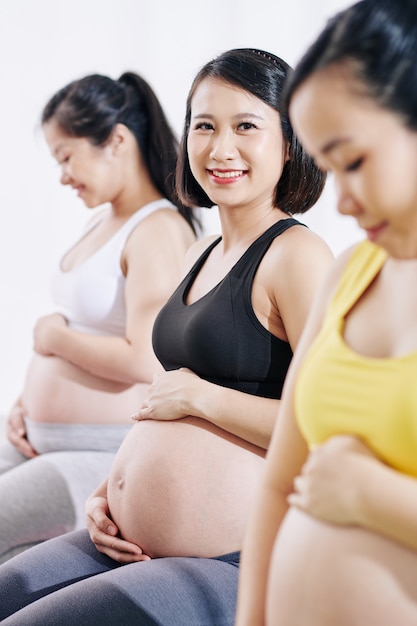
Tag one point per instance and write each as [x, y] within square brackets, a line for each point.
[183, 488]
[323, 574]
[57, 391]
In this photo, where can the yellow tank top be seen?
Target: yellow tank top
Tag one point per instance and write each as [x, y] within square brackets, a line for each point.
[341, 392]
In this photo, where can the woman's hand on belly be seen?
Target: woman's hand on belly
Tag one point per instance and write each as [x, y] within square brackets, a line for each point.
[168, 396]
[16, 431]
[329, 485]
[103, 531]
[43, 333]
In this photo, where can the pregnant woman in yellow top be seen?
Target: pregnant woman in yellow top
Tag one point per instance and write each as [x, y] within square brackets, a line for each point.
[334, 537]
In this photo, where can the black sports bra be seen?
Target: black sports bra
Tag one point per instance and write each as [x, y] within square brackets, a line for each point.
[219, 336]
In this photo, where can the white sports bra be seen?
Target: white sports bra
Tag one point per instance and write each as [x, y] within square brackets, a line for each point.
[91, 296]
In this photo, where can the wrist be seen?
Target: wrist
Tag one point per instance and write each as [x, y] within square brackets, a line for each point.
[57, 340]
[207, 399]
[196, 397]
[189, 397]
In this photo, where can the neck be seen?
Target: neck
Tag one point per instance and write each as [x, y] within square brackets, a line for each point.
[241, 227]
[138, 192]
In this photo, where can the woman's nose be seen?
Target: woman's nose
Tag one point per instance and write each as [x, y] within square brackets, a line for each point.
[223, 146]
[65, 178]
[346, 203]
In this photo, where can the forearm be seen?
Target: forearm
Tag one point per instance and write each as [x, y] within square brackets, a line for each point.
[108, 357]
[250, 417]
[392, 509]
[256, 556]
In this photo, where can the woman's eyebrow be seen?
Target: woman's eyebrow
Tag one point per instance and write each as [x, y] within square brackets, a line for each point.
[238, 116]
[333, 144]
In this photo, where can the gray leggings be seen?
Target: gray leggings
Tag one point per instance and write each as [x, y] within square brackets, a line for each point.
[44, 497]
[66, 581]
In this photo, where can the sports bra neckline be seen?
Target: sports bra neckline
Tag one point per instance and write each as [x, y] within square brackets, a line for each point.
[204, 256]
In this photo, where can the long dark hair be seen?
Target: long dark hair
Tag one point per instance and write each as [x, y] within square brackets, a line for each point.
[92, 106]
[377, 41]
[263, 75]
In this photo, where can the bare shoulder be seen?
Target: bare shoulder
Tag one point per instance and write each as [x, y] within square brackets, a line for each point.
[300, 252]
[164, 229]
[340, 263]
[297, 249]
[333, 274]
[331, 281]
[298, 237]
[166, 222]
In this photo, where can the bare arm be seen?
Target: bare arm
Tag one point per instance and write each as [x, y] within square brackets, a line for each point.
[154, 256]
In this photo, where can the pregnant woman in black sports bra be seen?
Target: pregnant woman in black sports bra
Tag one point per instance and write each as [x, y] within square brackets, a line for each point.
[184, 479]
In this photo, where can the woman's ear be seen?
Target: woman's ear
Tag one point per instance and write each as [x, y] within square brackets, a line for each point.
[119, 139]
[287, 151]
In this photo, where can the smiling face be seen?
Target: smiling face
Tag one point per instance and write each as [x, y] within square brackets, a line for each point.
[235, 146]
[91, 170]
[370, 152]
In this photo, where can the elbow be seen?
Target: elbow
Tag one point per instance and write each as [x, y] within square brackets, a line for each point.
[141, 371]
[134, 376]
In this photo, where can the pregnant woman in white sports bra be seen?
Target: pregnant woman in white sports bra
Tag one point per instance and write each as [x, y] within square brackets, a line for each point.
[93, 359]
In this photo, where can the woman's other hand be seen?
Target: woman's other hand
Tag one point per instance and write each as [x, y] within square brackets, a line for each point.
[104, 532]
[44, 333]
[16, 431]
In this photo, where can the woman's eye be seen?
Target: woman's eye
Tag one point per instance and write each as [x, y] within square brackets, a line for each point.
[355, 165]
[204, 126]
[246, 126]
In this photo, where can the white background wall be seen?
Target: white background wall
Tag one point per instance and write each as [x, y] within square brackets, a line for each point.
[47, 43]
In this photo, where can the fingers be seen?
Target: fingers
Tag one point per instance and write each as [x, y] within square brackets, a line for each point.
[100, 525]
[142, 414]
[26, 449]
[120, 550]
[16, 433]
[103, 533]
[97, 516]
[16, 420]
[299, 482]
[296, 498]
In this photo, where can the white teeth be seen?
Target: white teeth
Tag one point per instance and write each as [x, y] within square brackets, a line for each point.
[234, 174]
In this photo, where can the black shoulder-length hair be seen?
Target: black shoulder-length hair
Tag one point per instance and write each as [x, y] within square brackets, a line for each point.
[263, 75]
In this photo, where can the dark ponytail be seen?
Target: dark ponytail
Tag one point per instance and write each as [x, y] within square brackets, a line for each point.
[92, 106]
